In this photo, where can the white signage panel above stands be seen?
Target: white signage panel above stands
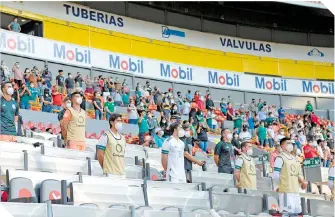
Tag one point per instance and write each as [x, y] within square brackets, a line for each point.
[40, 48]
[84, 15]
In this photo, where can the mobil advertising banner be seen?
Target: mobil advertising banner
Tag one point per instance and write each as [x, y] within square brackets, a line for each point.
[39, 48]
[75, 13]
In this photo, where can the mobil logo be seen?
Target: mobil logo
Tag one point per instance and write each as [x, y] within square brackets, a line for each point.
[270, 83]
[17, 43]
[224, 79]
[320, 87]
[183, 73]
[128, 64]
[77, 55]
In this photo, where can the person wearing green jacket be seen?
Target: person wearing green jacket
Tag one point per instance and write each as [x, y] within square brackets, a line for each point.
[261, 134]
[309, 107]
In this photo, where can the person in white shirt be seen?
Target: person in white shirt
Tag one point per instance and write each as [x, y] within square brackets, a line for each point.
[173, 155]
[186, 107]
[245, 135]
[271, 136]
[280, 135]
[319, 148]
[302, 138]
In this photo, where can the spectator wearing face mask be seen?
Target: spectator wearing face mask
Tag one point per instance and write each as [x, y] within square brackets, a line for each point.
[309, 151]
[245, 134]
[158, 137]
[152, 123]
[280, 135]
[165, 127]
[166, 106]
[238, 121]
[224, 153]
[281, 114]
[251, 123]
[223, 106]
[252, 107]
[261, 134]
[209, 102]
[25, 97]
[202, 135]
[47, 102]
[271, 136]
[327, 157]
[60, 81]
[236, 142]
[65, 105]
[118, 99]
[69, 83]
[143, 126]
[18, 74]
[179, 101]
[34, 91]
[132, 113]
[230, 112]
[109, 107]
[79, 80]
[125, 98]
[201, 103]
[302, 137]
[189, 96]
[174, 110]
[97, 103]
[319, 149]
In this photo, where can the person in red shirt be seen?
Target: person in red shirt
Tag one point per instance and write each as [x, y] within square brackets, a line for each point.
[196, 95]
[57, 98]
[314, 119]
[201, 103]
[309, 151]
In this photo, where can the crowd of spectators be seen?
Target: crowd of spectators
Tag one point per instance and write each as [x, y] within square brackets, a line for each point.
[153, 110]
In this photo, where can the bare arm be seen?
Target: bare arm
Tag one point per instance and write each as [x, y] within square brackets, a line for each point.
[9, 27]
[192, 159]
[64, 123]
[237, 174]
[216, 159]
[100, 156]
[164, 161]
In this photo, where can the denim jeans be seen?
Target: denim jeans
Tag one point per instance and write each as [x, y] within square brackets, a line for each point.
[47, 108]
[141, 138]
[25, 105]
[288, 214]
[262, 142]
[203, 145]
[252, 131]
[98, 115]
[326, 163]
[271, 142]
[108, 116]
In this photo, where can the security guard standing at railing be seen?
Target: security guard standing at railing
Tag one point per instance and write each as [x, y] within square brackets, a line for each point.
[245, 170]
[288, 174]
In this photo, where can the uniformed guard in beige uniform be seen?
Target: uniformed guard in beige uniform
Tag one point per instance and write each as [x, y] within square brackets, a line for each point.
[245, 170]
[111, 149]
[288, 174]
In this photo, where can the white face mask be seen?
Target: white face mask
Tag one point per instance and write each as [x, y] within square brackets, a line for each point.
[68, 105]
[249, 152]
[118, 127]
[10, 91]
[181, 133]
[289, 147]
[282, 133]
[79, 100]
[229, 136]
[161, 133]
